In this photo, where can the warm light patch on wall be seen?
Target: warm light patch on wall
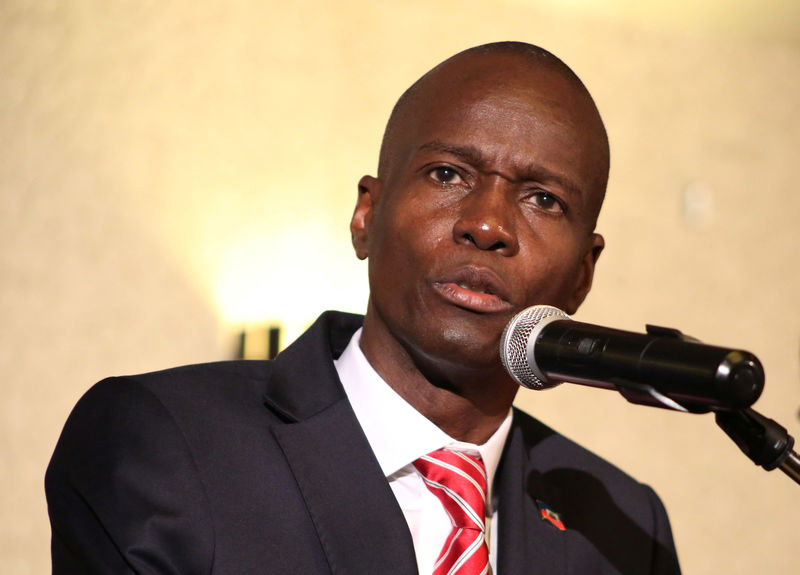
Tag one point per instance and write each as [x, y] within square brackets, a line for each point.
[286, 278]
[263, 278]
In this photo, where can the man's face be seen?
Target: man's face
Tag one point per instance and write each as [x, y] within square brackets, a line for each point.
[486, 207]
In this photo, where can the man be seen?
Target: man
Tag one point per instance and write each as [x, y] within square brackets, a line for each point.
[491, 176]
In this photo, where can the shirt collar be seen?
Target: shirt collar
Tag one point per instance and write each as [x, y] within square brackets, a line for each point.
[398, 433]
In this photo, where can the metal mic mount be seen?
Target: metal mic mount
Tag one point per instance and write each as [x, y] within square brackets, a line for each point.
[763, 440]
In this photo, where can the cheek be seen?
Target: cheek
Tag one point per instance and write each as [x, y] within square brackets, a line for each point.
[398, 249]
[409, 231]
[552, 272]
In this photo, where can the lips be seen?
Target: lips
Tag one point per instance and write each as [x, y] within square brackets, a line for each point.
[476, 289]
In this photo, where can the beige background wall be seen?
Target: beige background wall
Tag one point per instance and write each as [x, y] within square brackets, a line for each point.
[173, 171]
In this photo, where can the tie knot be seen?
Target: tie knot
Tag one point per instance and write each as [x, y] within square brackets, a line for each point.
[459, 481]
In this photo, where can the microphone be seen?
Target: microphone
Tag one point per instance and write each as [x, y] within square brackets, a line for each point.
[542, 346]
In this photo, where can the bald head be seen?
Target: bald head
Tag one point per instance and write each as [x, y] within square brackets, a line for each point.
[501, 70]
[492, 171]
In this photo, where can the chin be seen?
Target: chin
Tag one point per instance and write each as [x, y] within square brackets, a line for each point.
[470, 347]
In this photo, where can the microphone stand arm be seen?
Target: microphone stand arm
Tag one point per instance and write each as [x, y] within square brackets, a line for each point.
[763, 440]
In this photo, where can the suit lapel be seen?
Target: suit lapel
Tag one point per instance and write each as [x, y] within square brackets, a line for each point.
[355, 513]
[526, 542]
[359, 523]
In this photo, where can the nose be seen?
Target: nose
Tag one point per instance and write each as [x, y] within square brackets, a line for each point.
[486, 220]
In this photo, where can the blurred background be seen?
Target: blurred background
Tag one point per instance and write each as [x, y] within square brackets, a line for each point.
[174, 172]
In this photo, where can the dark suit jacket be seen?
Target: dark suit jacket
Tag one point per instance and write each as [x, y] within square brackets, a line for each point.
[261, 467]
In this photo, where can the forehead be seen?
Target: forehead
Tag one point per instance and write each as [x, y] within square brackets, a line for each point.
[509, 110]
[503, 126]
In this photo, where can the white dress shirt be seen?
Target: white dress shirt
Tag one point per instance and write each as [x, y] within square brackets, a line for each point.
[399, 434]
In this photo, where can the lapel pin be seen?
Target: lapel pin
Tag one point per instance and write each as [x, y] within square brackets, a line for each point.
[548, 514]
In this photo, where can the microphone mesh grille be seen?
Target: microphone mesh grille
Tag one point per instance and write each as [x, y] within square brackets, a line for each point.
[514, 344]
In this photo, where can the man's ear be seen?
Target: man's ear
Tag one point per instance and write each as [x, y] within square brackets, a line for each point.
[586, 275]
[368, 191]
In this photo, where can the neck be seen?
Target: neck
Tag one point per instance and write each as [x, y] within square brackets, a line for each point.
[467, 402]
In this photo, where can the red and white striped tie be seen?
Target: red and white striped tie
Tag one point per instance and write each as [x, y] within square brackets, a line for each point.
[459, 481]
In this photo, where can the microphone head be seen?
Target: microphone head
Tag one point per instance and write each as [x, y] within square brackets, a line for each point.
[516, 345]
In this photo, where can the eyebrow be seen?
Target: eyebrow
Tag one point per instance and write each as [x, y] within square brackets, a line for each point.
[473, 156]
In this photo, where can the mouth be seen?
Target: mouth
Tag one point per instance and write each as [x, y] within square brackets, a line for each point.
[475, 289]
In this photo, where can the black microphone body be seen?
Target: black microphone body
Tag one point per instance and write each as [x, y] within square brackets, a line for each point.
[661, 368]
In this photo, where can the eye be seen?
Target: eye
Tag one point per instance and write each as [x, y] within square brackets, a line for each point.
[548, 202]
[445, 175]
